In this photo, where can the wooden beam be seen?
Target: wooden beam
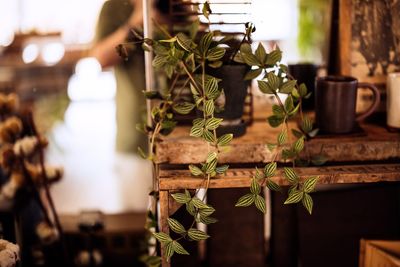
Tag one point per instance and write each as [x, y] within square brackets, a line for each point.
[236, 178]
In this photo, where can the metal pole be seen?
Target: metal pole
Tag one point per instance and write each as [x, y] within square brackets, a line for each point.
[148, 56]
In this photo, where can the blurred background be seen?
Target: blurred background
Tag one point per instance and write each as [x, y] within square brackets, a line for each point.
[43, 48]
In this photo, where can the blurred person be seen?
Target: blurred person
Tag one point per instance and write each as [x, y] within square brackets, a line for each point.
[116, 19]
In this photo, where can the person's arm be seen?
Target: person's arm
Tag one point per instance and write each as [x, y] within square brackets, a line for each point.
[104, 50]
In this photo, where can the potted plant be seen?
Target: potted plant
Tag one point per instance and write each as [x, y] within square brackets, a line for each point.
[181, 56]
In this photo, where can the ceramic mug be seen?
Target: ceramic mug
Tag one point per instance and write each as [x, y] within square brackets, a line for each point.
[393, 100]
[305, 73]
[335, 103]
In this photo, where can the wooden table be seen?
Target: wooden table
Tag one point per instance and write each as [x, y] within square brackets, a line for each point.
[369, 156]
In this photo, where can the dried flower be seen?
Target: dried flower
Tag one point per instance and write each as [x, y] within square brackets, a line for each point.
[10, 129]
[9, 254]
[8, 103]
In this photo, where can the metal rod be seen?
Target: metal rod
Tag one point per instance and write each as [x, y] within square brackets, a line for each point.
[148, 56]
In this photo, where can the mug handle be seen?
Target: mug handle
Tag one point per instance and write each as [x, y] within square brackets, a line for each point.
[377, 99]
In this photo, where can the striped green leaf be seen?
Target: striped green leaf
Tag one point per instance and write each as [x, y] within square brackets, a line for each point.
[198, 203]
[260, 53]
[306, 125]
[213, 123]
[278, 110]
[215, 53]
[274, 57]
[178, 248]
[207, 220]
[259, 175]
[209, 136]
[199, 122]
[309, 184]
[197, 235]
[265, 88]
[295, 196]
[252, 74]
[282, 137]
[209, 107]
[273, 186]
[211, 166]
[162, 237]
[287, 87]
[255, 188]
[225, 139]
[245, 200]
[211, 88]
[211, 156]
[250, 59]
[184, 108]
[181, 198]
[176, 226]
[221, 169]
[308, 202]
[298, 145]
[271, 147]
[196, 131]
[260, 203]
[205, 212]
[169, 250]
[291, 175]
[194, 170]
[269, 169]
[184, 42]
[205, 42]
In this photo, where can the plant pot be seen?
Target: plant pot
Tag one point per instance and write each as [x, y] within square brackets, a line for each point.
[235, 89]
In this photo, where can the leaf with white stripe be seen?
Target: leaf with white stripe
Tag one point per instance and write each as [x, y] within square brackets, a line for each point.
[245, 200]
[197, 235]
[308, 202]
[176, 226]
[295, 196]
[291, 175]
[309, 184]
[260, 203]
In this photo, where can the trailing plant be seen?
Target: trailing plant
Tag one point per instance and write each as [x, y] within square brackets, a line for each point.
[188, 57]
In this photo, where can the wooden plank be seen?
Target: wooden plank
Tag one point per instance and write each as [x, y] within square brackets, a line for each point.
[164, 214]
[236, 178]
[375, 143]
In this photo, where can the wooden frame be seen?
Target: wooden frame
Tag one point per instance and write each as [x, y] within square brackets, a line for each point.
[369, 39]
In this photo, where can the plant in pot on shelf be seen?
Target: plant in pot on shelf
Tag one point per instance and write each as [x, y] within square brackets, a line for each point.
[182, 56]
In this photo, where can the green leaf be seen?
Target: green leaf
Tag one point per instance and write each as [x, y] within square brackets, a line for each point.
[289, 106]
[306, 125]
[211, 88]
[308, 202]
[287, 154]
[309, 184]
[151, 261]
[181, 198]
[302, 90]
[294, 197]
[287, 87]
[196, 171]
[198, 203]
[255, 188]
[206, 10]
[209, 107]
[252, 74]
[273, 81]
[245, 48]
[291, 175]
[176, 226]
[278, 110]
[200, 122]
[282, 137]
[215, 53]
[208, 136]
[215, 64]
[259, 175]
[205, 42]
[260, 203]
[265, 88]
[183, 108]
[197, 235]
[159, 61]
[298, 145]
[178, 248]
[273, 186]
[211, 166]
[213, 123]
[208, 220]
[269, 169]
[250, 59]
[205, 212]
[190, 208]
[196, 131]
[222, 169]
[274, 121]
[211, 156]
[274, 57]
[225, 139]
[162, 237]
[297, 134]
[260, 53]
[245, 200]
[169, 250]
[184, 42]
